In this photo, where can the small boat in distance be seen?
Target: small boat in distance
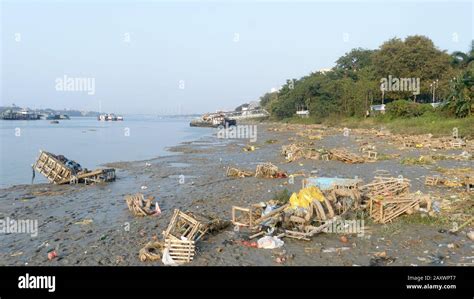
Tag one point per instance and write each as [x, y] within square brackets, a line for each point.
[109, 117]
[53, 116]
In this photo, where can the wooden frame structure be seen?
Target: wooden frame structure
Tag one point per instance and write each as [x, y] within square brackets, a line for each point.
[53, 169]
[58, 173]
[385, 210]
[242, 216]
[387, 186]
[184, 226]
[432, 180]
[181, 251]
[371, 155]
[345, 156]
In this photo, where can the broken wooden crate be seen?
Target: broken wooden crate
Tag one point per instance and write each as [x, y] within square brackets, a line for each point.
[139, 206]
[181, 251]
[184, 226]
[345, 156]
[246, 216]
[58, 173]
[387, 209]
[386, 186]
[432, 180]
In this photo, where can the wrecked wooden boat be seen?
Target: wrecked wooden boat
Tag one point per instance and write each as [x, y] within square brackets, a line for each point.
[60, 170]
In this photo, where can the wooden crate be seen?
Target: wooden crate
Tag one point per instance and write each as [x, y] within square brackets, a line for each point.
[372, 155]
[242, 216]
[58, 173]
[181, 251]
[385, 210]
[345, 156]
[184, 226]
[53, 169]
[386, 186]
[432, 180]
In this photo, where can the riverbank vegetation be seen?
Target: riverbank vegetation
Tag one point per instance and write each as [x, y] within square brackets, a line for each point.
[344, 94]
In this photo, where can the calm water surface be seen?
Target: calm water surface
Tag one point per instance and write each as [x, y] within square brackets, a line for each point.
[88, 142]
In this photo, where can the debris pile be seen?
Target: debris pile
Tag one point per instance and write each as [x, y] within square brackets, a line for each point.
[268, 170]
[293, 152]
[308, 212]
[235, 172]
[263, 170]
[139, 206]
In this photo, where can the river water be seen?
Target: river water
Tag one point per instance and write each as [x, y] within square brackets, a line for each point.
[88, 141]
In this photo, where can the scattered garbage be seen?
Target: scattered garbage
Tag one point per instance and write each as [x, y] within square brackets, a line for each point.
[263, 170]
[52, 254]
[269, 242]
[249, 148]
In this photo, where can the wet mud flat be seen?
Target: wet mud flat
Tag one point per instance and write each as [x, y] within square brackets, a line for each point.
[91, 225]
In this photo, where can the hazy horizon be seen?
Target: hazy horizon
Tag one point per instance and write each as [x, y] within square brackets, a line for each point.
[162, 57]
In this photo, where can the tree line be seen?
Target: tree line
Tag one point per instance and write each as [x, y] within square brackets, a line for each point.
[354, 83]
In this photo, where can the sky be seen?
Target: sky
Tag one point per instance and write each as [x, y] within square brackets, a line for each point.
[183, 57]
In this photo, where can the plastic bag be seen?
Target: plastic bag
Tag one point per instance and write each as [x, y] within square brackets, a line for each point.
[304, 198]
[269, 242]
[167, 259]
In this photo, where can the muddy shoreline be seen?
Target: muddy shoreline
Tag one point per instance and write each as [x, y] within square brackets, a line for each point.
[114, 236]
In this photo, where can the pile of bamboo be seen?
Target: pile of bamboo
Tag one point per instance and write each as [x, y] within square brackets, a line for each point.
[268, 170]
[235, 172]
[345, 156]
[139, 206]
[386, 187]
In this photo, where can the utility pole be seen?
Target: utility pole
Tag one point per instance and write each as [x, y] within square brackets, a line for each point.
[433, 86]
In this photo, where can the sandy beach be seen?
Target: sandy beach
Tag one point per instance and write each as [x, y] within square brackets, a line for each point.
[91, 225]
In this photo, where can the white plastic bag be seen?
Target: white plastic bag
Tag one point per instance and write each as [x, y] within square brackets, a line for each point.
[269, 242]
[167, 259]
